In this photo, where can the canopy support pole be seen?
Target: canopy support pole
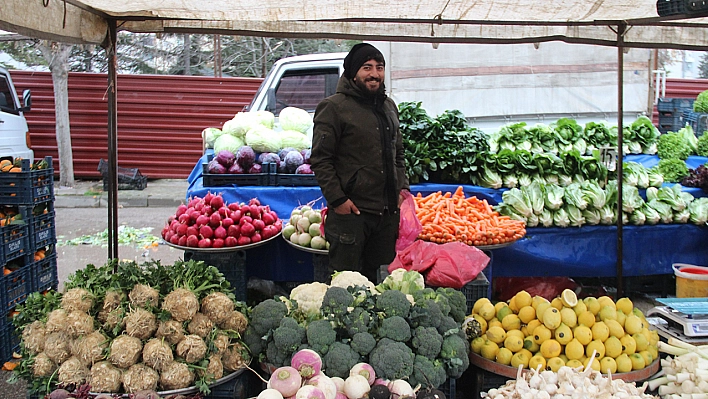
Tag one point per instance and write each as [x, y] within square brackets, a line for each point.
[621, 28]
[112, 144]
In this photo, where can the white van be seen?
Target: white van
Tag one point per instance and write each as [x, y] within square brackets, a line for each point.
[14, 133]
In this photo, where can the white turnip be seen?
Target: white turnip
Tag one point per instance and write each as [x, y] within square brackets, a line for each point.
[325, 384]
[401, 389]
[270, 393]
[309, 392]
[356, 386]
[285, 380]
[365, 370]
[339, 383]
[307, 362]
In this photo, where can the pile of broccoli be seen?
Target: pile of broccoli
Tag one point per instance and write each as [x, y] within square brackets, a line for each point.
[416, 337]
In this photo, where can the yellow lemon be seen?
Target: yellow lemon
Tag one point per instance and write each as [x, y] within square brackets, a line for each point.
[568, 317]
[551, 318]
[654, 338]
[608, 313]
[486, 310]
[496, 334]
[629, 345]
[504, 356]
[554, 364]
[494, 322]
[633, 324]
[564, 357]
[530, 326]
[563, 334]
[499, 305]
[653, 351]
[613, 347]
[580, 308]
[638, 361]
[569, 298]
[478, 304]
[557, 303]
[574, 363]
[600, 331]
[526, 314]
[531, 345]
[541, 334]
[538, 299]
[583, 334]
[621, 317]
[615, 328]
[512, 304]
[482, 322]
[638, 312]
[607, 301]
[476, 345]
[540, 308]
[594, 364]
[641, 342]
[624, 363]
[514, 344]
[592, 304]
[489, 350]
[625, 305]
[511, 322]
[574, 349]
[503, 311]
[648, 357]
[520, 358]
[608, 365]
[586, 318]
[517, 333]
[597, 346]
[550, 348]
[522, 298]
[537, 362]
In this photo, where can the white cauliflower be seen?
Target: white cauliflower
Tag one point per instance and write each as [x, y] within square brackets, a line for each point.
[349, 278]
[309, 296]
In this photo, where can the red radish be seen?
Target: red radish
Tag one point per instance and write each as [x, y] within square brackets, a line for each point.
[268, 218]
[247, 229]
[182, 229]
[194, 214]
[215, 219]
[245, 209]
[204, 243]
[230, 241]
[220, 232]
[174, 224]
[256, 237]
[182, 241]
[258, 225]
[217, 202]
[183, 218]
[181, 210]
[254, 201]
[226, 222]
[206, 232]
[235, 216]
[202, 220]
[208, 197]
[218, 243]
[174, 239]
[171, 218]
[266, 233]
[255, 211]
[193, 201]
[364, 369]
[165, 230]
[207, 210]
[243, 240]
[234, 231]
[192, 231]
[307, 362]
[199, 206]
[169, 235]
[224, 212]
[234, 206]
[285, 380]
[192, 241]
[245, 219]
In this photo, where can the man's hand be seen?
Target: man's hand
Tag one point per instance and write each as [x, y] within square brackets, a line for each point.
[347, 208]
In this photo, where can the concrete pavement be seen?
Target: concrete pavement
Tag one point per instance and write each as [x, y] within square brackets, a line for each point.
[89, 194]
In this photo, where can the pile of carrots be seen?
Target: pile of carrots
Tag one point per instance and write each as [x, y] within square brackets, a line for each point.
[453, 217]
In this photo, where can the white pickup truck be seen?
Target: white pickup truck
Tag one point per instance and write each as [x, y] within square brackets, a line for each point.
[490, 84]
[14, 133]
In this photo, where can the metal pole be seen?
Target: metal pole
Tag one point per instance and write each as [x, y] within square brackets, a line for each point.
[112, 144]
[620, 153]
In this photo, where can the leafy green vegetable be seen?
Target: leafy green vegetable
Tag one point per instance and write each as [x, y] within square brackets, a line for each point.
[702, 146]
[701, 103]
[518, 201]
[673, 170]
[673, 145]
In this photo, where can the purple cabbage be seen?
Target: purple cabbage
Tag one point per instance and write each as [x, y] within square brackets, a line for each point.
[245, 157]
[255, 168]
[304, 169]
[225, 157]
[269, 157]
[236, 169]
[293, 159]
[283, 152]
[215, 167]
[306, 155]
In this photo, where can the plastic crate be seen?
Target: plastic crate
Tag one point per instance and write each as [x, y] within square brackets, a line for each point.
[670, 7]
[42, 228]
[672, 123]
[231, 264]
[449, 388]
[294, 180]
[15, 287]
[475, 289]
[9, 340]
[128, 178]
[665, 105]
[14, 240]
[247, 179]
[44, 273]
[28, 186]
[697, 121]
[235, 388]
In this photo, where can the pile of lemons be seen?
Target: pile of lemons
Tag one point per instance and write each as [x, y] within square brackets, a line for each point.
[535, 332]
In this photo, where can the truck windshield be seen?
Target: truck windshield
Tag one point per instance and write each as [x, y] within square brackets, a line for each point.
[305, 88]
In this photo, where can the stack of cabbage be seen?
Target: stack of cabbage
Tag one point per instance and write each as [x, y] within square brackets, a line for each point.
[258, 130]
[145, 327]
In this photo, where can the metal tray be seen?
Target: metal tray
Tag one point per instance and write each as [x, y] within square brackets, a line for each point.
[306, 249]
[224, 249]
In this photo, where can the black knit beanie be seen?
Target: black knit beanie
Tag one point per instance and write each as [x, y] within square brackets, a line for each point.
[357, 56]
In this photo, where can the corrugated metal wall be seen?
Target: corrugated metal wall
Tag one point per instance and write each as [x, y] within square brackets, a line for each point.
[160, 118]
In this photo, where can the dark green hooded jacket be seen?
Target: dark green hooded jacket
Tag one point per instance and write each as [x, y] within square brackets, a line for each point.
[357, 150]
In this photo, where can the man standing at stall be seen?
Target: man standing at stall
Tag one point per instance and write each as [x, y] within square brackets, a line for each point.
[357, 157]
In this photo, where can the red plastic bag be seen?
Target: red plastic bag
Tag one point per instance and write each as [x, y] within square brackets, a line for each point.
[453, 264]
[409, 227]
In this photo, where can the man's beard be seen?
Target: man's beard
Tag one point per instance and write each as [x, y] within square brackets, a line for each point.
[369, 93]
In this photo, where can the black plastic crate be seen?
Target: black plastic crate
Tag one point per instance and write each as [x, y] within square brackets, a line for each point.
[670, 7]
[14, 240]
[247, 179]
[232, 264]
[294, 180]
[672, 123]
[9, 340]
[42, 228]
[235, 388]
[44, 272]
[697, 121]
[128, 178]
[15, 287]
[28, 186]
[475, 289]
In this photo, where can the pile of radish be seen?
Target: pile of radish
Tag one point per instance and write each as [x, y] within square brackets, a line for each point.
[304, 379]
[210, 222]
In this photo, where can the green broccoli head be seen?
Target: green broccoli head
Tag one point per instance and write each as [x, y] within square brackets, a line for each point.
[356, 321]
[392, 360]
[428, 373]
[267, 315]
[339, 359]
[426, 312]
[393, 303]
[320, 335]
[275, 357]
[457, 301]
[363, 343]
[253, 341]
[449, 326]
[288, 336]
[455, 355]
[336, 301]
[395, 328]
[427, 342]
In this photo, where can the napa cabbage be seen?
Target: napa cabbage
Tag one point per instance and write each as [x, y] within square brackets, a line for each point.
[297, 119]
[294, 139]
[263, 139]
[228, 142]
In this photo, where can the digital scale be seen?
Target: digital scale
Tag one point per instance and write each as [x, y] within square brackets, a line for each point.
[684, 318]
